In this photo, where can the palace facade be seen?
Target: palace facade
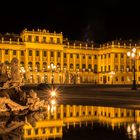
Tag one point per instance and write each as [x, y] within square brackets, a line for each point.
[46, 57]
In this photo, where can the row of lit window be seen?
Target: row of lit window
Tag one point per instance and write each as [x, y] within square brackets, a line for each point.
[44, 130]
[44, 40]
[116, 68]
[108, 55]
[83, 114]
[45, 54]
[37, 65]
[58, 54]
[104, 79]
[14, 52]
[122, 114]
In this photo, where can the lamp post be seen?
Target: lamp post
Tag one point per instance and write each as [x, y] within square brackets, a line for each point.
[132, 54]
[52, 68]
[112, 73]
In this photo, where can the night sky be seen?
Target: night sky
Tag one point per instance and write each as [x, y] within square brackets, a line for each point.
[96, 20]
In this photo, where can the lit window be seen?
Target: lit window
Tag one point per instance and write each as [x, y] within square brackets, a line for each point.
[122, 79]
[77, 56]
[95, 56]
[64, 55]
[58, 54]
[22, 53]
[116, 55]
[83, 66]
[51, 54]
[51, 39]
[36, 131]
[71, 56]
[105, 69]
[6, 52]
[14, 52]
[30, 38]
[58, 40]
[37, 53]
[44, 39]
[29, 131]
[122, 55]
[108, 67]
[44, 53]
[57, 129]
[122, 68]
[30, 52]
[108, 78]
[36, 38]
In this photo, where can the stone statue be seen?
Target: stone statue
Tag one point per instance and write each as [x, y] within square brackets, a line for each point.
[15, 72]
[16, 78]
[33, 101]
[3, 74]
[12, 98]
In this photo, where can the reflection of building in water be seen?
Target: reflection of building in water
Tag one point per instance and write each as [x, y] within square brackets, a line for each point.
[51, 125]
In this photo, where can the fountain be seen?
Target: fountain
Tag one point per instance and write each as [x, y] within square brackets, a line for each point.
[12, 98]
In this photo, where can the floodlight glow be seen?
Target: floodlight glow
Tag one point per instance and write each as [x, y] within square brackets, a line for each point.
[134, 50]
[53, 102]
[133, 55]
[53, 93]
[128, 53]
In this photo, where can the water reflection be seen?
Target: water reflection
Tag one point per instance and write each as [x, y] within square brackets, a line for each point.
[57, 120]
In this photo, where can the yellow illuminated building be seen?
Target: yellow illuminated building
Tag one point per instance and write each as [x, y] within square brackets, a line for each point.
[49, 57]
[52, 123]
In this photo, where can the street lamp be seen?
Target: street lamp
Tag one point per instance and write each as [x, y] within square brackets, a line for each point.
[132, 55]
[112, 73]
[52, 68]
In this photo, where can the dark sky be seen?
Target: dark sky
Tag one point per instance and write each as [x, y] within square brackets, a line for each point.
[97, 20]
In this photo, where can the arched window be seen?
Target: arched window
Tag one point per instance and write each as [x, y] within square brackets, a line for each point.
[71, 66]
[30, 66]
[65, 65]
[37, 66]
[21, 64]
[44, 66]
[83, 66]
[58, 65]
[77, 66]
[89, 66]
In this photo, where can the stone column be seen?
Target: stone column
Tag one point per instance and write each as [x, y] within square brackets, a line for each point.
[2, 56]
[26, 59]
[80, 56]
[10, 55]
[18, 55]
[80, 110]
[55, 58]
[62, 58]
[74, 62]
[74, 110]
[61, 111]
[92, 62]
[33, 55]
[112, 61]
[67, 110]
[48, 57]
[86, 61]
[41, 62]
[68, 61]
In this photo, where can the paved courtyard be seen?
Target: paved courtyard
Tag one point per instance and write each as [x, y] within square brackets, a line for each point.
[88, 94]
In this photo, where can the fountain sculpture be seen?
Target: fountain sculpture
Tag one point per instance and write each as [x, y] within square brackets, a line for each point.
[12, 98]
